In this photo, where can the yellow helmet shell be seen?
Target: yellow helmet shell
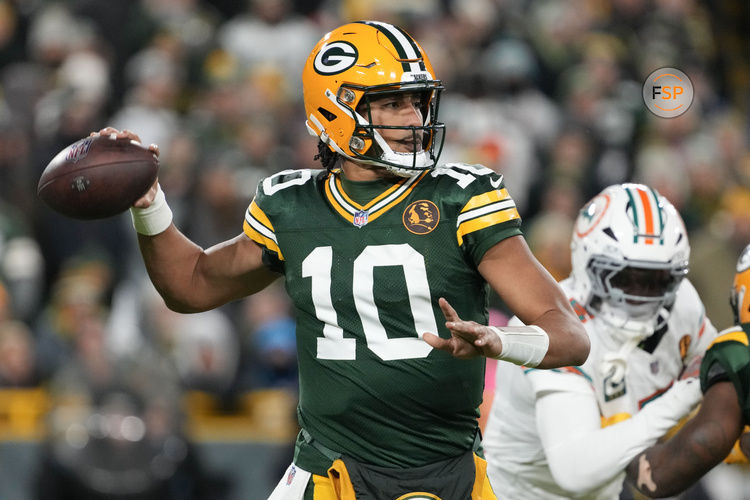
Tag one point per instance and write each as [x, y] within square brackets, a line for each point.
[347, 63]
[740, 298]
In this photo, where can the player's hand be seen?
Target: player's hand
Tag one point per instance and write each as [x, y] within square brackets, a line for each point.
[124, 134]
[683, 396]
[145, 200]
[468, 339]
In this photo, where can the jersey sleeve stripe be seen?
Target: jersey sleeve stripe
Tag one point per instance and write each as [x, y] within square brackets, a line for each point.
[483, 199]
[738, 335]
[258, 228]
[254, 212]
[485, 221]
[487, 209]
[262, 240]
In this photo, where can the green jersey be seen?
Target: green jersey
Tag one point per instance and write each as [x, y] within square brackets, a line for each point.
[728, 358]
[365, 264]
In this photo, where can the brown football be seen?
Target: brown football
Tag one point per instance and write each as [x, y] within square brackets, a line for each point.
[97, 177]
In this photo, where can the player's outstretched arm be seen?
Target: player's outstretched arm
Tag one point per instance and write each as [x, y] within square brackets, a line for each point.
[668, 468]
[536, 299]
[554, 335]
[189, 278]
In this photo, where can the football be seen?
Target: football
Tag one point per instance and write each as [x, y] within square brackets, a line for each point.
[97, 177]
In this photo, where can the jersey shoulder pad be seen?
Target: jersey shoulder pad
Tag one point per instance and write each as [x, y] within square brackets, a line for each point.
[475, 189]
[731, 351]
[688, 308]
[731, 334]
[470, 177]
[277, 198]
[286, 182]
[687, 298]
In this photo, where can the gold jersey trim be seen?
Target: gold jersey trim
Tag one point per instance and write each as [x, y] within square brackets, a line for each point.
[347, 208]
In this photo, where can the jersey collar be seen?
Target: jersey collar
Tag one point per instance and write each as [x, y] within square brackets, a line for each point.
[360, 215]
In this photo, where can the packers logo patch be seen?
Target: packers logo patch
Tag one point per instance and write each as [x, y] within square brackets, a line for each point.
[421, 217]
[418, 495]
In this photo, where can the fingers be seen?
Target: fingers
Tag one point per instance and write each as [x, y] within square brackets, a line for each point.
[115, 134]
[436, 342]
[450, 314]
[453, 346]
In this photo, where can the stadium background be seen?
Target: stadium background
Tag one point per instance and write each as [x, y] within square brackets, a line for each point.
[94, 369]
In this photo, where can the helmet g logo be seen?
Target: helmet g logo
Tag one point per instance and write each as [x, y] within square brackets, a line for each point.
[335, 57]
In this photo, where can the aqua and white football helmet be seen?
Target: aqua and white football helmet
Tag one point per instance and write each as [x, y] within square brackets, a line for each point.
[630, 252]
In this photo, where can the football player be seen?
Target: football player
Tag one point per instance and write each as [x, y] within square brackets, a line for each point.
[570, 432]
[387, 257]
[718, 430]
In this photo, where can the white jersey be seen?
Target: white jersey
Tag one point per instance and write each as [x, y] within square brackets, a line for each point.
[518, 440]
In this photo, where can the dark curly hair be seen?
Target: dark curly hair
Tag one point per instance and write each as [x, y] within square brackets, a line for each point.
[328, 158]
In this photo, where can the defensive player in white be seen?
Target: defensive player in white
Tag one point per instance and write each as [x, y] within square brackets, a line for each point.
[570, 432]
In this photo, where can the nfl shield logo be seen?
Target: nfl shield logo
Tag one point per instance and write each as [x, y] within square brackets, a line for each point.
[360, 218]
[290, 476]
[654, 367]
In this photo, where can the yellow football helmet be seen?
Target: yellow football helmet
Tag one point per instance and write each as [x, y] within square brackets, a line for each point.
[360, 62]
[739, 299]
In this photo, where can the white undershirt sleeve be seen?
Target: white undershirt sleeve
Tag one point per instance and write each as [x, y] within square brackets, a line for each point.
[583, 456]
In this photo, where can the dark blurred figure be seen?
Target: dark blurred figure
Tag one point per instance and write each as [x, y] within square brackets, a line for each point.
[116, 428]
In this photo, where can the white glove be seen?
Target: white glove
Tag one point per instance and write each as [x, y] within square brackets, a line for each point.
[665, 412]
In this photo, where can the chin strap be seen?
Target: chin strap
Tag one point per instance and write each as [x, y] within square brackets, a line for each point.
[615, 364]
[630, 333]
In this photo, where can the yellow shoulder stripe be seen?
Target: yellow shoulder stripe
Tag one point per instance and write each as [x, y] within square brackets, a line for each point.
[485, 221]
[259, 215]
[261, 240]
[737, 335]
[483, 199]
[258, 228]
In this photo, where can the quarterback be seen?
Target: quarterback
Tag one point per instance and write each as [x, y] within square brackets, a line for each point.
[570, 432]
[388, 258]
[718, 432]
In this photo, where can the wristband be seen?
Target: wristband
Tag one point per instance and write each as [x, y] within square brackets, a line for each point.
[156, 218]
[522, 345]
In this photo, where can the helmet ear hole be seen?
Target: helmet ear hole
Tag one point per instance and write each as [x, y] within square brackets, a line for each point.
[327, 114]
[608, 231]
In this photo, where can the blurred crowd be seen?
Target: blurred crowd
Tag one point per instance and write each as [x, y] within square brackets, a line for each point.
[546, 92]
